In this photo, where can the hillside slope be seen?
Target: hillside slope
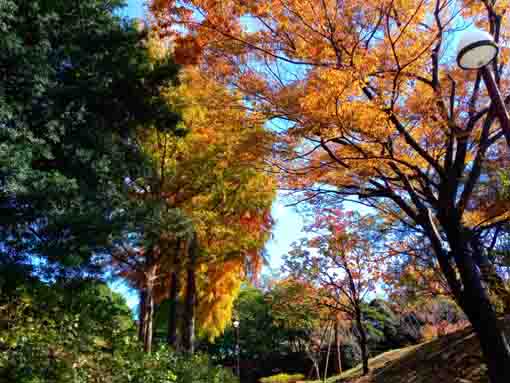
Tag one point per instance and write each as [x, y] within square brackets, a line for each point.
[454, 358]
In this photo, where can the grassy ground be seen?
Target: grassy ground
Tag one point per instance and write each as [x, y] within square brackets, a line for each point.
[454, 358]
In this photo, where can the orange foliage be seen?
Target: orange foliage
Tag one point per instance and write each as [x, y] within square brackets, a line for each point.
[370, 101]
[359, 81]
[187, 50]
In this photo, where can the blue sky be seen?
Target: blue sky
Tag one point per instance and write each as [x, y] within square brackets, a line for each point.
[135, 8]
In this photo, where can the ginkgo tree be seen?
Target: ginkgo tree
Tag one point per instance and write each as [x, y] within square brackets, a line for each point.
[374, 107]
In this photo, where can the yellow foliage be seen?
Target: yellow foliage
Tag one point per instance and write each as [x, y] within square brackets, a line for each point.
[215, 176]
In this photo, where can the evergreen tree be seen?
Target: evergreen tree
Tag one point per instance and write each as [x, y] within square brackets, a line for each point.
[76, 81]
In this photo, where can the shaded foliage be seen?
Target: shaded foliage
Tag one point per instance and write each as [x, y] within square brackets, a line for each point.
[81, 331]
[76, 82]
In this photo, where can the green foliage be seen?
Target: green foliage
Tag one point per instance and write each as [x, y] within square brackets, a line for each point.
[283, 378]
[381, 325]
[76, 83]
[264, 344]
[295, 309]
[46, 330]
[165, 366]
[80, 331]
[199, 369]
[258, 336]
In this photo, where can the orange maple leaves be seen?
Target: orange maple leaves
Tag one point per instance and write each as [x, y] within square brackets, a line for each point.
[187, 50]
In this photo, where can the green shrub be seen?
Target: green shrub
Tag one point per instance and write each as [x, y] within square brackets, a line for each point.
[84, 334]
[283, 378]
[29, 363]
[166, 366]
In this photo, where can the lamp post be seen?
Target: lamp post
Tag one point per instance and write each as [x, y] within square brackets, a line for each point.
[476, 50]
[236, 327]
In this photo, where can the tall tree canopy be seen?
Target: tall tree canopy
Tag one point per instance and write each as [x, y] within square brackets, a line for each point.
[214, 179]
[76, 81]
[221, 168]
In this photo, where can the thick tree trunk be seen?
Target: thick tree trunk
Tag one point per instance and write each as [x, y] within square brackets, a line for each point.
[472, 297]
[480, 311]
[188, 331]
[490, 275]
[172, 314]
[362, 341]
[141, 317]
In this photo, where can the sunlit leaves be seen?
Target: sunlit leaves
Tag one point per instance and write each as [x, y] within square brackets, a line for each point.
[215, 176]
[363, 85]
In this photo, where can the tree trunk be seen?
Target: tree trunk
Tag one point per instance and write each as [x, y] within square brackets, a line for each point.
[362, 341]
[317, 370]
[489, 274]
[141, 317]
[338, 349]
[310, 371]
[172, 314]
[146, 320]
[472, 297]
[149, 311]
[476, 304]
[190, 300]
[328, 354]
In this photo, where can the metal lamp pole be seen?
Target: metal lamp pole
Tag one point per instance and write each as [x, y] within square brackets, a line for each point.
[476, 50]
[238, 369]
[498, 101]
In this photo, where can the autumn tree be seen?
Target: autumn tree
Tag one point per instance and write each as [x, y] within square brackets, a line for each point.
[311, 326]
[220, 185]
[340, 256]
[375, 108]
[213, 177]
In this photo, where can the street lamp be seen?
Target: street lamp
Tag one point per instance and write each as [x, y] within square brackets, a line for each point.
[476, 50]
[235, 323]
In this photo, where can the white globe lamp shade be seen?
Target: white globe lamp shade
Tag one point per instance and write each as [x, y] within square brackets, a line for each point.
[236, 323]
[476, 49]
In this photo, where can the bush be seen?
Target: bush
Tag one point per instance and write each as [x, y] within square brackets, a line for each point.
[165, 366]
[283, 378]
[129, 364]
[84, 333]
